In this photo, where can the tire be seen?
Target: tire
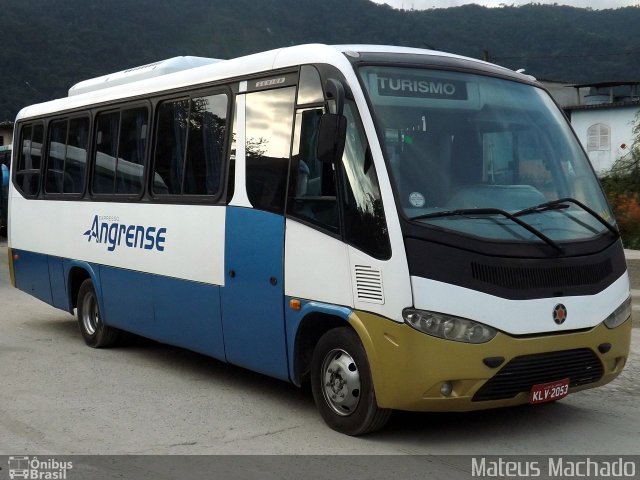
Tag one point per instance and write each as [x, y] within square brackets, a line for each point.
[342, 386]
[95, 333]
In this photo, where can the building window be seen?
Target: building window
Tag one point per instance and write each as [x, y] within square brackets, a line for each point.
[598, 137]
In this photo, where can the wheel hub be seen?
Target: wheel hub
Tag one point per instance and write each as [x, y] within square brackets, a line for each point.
[341, 382]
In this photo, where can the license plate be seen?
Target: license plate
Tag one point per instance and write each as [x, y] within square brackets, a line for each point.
[548, 392]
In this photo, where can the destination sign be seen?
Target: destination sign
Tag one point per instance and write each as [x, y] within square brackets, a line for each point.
[421, 87]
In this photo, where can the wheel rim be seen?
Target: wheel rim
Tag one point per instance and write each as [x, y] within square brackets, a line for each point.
[90, 314]
[340, 382]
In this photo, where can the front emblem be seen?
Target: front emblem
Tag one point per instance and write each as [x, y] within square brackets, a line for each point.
[559, 314]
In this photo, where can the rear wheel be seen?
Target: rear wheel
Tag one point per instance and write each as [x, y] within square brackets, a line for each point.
[95, 333]
[342, 386]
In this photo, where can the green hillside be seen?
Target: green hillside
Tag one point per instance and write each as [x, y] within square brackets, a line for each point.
[48, 46]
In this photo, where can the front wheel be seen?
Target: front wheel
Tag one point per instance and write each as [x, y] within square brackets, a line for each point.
[342, 386]
[95, 333]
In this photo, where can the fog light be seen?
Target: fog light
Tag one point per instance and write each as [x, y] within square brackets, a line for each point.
[446, 389]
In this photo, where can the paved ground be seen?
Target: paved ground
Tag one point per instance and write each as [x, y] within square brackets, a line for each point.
[59, 397]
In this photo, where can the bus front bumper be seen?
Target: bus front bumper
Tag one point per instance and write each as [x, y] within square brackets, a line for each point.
[409, 367]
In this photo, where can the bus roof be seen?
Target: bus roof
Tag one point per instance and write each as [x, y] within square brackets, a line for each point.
[186, 71]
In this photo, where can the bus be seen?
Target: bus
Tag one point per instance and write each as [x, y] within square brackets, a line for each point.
[402, 229]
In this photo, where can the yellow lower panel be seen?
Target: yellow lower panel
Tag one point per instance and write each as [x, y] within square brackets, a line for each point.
[409, 367]
[12, 274]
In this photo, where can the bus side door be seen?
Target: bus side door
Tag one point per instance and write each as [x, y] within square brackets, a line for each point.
[253, 295]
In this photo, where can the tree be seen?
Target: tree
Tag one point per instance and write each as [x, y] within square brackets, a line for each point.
[622, 186]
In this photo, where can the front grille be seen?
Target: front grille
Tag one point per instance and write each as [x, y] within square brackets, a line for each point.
[518, 278]
[581, 366]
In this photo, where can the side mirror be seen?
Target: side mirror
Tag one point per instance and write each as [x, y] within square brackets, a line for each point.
[332, 133]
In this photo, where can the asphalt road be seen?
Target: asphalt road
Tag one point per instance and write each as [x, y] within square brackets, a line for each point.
[58, 396]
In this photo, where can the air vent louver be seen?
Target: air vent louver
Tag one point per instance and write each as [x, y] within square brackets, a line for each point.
[369, 284]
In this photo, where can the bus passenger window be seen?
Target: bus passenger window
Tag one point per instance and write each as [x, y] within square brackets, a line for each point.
[28, 165]
[131, 150]
[105, 152]
[190, 145]
[171, 139]
[55, 166]
[207, 125]
[121, 140]
[67, 156]
[269, 122]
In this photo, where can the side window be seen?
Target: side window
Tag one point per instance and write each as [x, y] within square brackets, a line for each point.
[106, 151]
[205, 148]
[75, 164]
[312, 186]
[27, 176]
[190, 146]
[131, 150]
[67, 156]
[56, 150]
[121, 139]
[313, 183]
[364, 220]
[269, 124]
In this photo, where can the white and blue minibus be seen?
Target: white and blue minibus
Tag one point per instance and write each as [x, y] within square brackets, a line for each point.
[400, 228]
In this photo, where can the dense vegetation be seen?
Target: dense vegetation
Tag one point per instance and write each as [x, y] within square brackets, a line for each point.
[48, 46]
[622, 185]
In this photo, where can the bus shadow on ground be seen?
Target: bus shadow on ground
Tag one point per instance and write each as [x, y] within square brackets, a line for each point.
[439, 428]
[181, 362]
[480, 427]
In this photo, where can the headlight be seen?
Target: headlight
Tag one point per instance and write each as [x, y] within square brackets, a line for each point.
[448, 327]
[619, 315]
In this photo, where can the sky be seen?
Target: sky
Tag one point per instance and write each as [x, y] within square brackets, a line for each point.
[422, 4]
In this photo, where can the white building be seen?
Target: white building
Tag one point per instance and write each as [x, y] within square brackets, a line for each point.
[603, 120]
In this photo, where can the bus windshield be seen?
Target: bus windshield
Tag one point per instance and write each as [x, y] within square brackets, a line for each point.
[463, 148]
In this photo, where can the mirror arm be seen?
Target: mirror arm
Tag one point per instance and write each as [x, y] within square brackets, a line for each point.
[335, 91]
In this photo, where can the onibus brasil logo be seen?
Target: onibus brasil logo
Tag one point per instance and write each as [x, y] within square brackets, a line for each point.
[36, 469]
[109, 231]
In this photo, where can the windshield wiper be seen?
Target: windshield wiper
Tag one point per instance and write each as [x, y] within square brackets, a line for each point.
[491, 211]
[560, 204]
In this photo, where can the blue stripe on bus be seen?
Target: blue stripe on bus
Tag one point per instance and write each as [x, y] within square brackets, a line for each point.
[253, 295]
[174, 311]
[169, 310]
[57, 280]
[185, 313]
[32, 274]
